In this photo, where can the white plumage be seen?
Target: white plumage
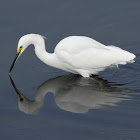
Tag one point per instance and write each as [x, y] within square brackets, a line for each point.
[77, 54]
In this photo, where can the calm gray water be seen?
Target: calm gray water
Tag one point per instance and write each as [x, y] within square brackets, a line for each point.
[55, 105]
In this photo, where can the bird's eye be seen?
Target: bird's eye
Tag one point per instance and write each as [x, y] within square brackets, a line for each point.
[19, 50]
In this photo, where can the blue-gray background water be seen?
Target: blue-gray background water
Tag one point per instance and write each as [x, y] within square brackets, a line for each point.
[67, 106]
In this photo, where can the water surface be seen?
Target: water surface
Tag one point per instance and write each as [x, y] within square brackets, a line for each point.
[55, 104]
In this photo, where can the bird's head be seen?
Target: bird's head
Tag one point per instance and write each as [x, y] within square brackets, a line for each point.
[24, 42]
[22, 45]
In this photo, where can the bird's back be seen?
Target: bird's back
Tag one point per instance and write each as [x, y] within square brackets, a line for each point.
[76, 44]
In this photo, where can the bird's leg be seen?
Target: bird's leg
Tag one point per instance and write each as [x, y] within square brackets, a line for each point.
[84, 73]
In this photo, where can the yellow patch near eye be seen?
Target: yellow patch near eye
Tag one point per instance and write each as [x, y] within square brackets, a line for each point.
[19, 49]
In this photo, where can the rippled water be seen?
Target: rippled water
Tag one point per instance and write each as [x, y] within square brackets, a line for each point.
[41, 102]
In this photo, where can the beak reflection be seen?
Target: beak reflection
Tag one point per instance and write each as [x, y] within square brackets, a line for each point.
[17, 91]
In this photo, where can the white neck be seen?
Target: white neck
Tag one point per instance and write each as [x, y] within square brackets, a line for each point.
[42, 54]
[39, 44]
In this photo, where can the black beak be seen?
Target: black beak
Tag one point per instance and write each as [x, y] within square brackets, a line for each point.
[14, 62]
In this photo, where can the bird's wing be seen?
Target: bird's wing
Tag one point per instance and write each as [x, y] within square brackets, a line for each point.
[88, 59]
[85, 53]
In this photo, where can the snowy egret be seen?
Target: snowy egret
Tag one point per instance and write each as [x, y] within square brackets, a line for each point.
[76, 54]
[74, 93]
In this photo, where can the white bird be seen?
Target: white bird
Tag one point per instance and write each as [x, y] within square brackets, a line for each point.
[76, 54]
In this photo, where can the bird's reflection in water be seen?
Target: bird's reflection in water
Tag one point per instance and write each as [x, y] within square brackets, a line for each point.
[74, 93]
